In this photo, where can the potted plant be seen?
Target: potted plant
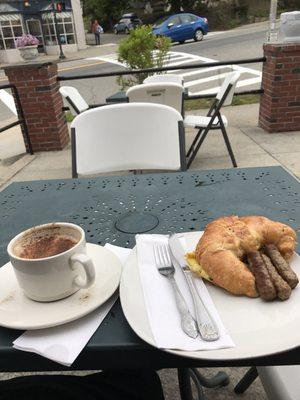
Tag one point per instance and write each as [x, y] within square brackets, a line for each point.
[27, 45]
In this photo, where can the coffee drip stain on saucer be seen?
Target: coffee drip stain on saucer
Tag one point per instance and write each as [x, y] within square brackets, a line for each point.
[9, 297]
[85, 297]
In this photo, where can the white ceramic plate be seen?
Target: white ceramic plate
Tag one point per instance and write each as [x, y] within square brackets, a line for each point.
[258, 328]
[19, 312]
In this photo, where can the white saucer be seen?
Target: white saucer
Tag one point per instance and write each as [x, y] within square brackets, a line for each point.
[19, 312]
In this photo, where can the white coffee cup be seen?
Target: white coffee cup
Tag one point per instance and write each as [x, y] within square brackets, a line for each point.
[57, 276]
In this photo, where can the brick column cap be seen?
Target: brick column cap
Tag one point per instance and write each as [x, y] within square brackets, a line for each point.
[28, 65]
[281, 47]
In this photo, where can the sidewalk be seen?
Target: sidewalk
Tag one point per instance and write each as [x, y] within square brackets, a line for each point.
[251, 145]
[108, 45]
[80, 55]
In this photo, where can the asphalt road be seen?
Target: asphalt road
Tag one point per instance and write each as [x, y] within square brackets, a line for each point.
[244, 42]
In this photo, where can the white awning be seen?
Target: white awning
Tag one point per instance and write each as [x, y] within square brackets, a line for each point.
[59, 15]
[10, 17]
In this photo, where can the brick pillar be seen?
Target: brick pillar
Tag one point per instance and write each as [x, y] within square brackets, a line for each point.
[42, 104]
[280, 104]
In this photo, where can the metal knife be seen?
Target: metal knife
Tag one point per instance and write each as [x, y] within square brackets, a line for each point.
[206, 325]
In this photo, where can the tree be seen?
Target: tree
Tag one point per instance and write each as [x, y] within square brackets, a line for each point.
[106, 11]
[178, 5]
[140, 50]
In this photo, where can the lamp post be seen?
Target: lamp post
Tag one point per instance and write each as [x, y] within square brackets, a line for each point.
[61, 54]
[272, 35]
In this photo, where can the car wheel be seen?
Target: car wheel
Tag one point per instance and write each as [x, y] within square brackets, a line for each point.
[181, 41]
[198, 36]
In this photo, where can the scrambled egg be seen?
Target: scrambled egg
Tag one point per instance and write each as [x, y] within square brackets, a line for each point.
[195, 267]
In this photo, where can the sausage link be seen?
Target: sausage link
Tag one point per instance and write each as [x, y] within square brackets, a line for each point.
[264, 285]
[283, 268]
[282, 288]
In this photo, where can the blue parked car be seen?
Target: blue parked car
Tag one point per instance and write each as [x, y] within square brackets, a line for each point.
[181, 27]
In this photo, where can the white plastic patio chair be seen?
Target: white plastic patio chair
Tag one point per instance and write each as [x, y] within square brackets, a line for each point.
[213, 120]
[123, 137]
[279, 382]
[9, 101]
[164, 78]
[74, 98]
[168, 93]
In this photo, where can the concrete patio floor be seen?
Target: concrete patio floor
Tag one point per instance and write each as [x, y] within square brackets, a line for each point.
[252, 147]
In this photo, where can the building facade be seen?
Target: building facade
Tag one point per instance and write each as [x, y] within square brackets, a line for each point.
[36, 17]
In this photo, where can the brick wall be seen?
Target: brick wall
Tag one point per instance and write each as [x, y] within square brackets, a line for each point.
[280, 104]
[42, 104]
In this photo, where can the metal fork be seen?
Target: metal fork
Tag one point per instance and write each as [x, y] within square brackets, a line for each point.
[165, 268]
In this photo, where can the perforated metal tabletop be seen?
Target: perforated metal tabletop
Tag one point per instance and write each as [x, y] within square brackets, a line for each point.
[112, 209]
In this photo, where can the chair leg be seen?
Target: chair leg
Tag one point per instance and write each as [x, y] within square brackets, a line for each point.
[225, 136]
[186, 374]
[190, 150]
[246, 381]
[195, 151]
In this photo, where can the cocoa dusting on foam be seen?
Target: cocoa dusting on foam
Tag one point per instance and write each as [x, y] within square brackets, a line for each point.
[47, 247]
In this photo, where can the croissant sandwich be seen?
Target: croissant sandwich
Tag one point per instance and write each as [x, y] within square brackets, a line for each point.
[247, 256]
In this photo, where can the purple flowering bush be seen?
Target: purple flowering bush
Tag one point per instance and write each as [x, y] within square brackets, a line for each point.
[26, 40]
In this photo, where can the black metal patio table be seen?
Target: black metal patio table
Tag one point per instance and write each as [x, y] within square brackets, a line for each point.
[111, 210]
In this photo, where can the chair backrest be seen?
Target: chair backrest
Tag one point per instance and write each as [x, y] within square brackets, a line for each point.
[231, 79]
[74, 98]
[168, 93]
[8, 100]
[120, 137]
[164, 78]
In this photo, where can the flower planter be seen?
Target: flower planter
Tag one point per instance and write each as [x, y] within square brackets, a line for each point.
[29, 52]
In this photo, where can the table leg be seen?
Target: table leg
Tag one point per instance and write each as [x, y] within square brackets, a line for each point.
[246, 380]
[186, 374]
[184, 380]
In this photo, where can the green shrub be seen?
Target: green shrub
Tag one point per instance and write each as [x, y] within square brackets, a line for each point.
[141, 50]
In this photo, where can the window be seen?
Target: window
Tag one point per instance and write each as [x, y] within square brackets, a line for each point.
[194, 18]
[124, 21]
[10, 28]
[174, 21]
[160, 21]
[186, 19]
[65, 28]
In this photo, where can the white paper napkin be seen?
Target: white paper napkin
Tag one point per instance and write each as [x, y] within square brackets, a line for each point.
[160, 302]
[64, 343]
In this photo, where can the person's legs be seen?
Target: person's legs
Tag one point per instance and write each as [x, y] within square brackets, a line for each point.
[97, 38]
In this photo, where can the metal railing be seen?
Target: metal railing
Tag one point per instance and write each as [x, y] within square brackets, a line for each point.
[177, 67]
[21, 119]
